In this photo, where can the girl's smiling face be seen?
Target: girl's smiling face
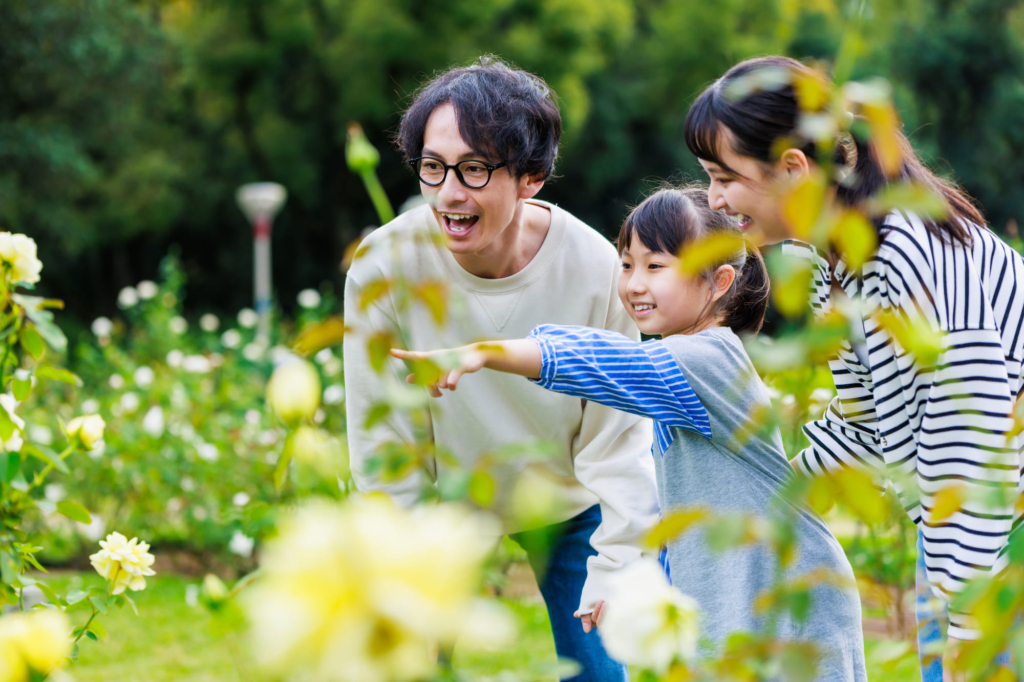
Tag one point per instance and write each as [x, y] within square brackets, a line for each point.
[660, 298]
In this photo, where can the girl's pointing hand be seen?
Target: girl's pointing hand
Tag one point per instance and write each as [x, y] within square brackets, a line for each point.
[441, 369]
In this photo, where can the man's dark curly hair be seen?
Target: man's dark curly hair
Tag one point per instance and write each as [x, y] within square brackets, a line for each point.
[504, 114]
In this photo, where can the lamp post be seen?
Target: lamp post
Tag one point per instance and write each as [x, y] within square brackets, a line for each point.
[260, 202]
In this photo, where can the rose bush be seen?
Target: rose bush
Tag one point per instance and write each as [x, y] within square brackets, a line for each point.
[35, 642]
[189, 452]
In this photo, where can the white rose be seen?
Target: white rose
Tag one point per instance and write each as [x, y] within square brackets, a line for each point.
[231, 338]
[144, 376]
[293, 391]
[9, 403]
[647, 622]
[177, 325]
[248, 318]
[209, 322]
[153, 423]
[196, 364]
[14, 443]
[19, 251]
[241, 544]
[146, 289]
[309, 298]
[102, 326]
[88, 429]
[127, 297]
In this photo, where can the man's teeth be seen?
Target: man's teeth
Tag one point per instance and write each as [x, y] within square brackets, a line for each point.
[458, 216]
[643, 306]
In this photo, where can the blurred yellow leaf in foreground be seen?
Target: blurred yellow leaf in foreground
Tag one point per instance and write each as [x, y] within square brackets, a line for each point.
[674, 524]
[948, 502]
[820, 497]
[855, 490]
[884, 123]
[802, 205]
[709, 251]
[791, 283]
[318, 336]
[917, 337]
[912, 197]
[434, 296]
[855, 238]
[873, 100]
[813, 90]
[373, 291]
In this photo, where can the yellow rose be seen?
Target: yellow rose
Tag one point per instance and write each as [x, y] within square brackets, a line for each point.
[12, 668]
[293, 391]
[356, 591]
[427, 570]
[312, 446]
[88, 429]
[38, 640]
[19, 251]
[214, 588]
[123, 563]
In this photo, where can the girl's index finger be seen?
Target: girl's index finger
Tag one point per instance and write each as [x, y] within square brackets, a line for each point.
[402, 354]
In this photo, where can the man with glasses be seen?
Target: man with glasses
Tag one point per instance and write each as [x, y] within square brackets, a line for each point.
[482, 141]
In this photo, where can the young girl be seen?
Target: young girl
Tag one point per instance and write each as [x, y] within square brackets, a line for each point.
[699, 387]
[936, 424]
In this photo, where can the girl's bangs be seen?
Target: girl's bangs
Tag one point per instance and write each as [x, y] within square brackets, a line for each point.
[657, 222]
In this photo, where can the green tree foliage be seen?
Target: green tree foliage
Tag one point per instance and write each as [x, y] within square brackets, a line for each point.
[273, 84]
[84, 163]
[965, 67]
[126, 125]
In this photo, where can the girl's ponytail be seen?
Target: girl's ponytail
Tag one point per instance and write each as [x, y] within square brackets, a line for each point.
[745, 308]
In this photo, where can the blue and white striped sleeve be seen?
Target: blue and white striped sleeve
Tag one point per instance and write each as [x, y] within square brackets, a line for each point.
[611, 369]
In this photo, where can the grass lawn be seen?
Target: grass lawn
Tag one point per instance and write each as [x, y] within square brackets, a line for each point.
[171, 640]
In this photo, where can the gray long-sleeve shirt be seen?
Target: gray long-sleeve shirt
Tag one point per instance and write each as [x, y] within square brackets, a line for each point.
[740, 469]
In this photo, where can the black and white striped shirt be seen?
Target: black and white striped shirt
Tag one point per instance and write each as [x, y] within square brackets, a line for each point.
[934, 424]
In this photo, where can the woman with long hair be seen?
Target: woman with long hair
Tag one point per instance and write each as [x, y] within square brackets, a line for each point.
[924, 423]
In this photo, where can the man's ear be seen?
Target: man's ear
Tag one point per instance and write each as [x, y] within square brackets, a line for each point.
[723, 278]
[794, 164]
[529, 185]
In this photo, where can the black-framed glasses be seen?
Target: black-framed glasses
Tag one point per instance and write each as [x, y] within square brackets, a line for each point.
[471, 173]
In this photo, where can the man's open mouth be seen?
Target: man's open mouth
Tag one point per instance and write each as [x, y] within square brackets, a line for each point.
[458, 224]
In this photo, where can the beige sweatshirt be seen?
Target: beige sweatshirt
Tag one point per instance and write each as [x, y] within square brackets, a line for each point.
[602, 455]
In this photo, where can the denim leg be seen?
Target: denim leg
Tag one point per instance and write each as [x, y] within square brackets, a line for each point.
[558, 555]
[931, 621]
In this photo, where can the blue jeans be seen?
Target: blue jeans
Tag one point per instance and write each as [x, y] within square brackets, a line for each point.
[932, 621]
[558, 555]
